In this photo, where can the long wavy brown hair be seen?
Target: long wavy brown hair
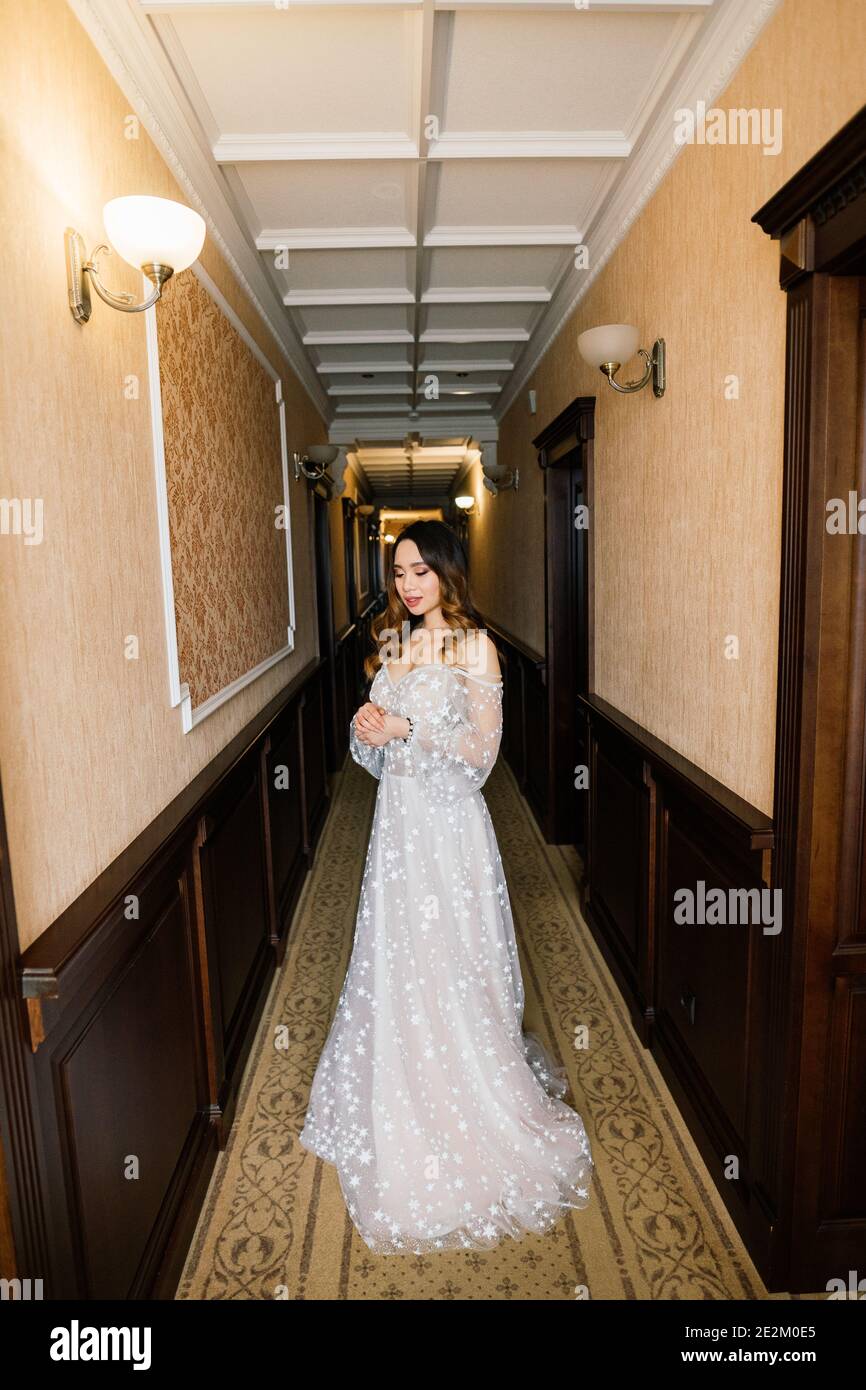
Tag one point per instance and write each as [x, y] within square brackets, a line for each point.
[442, 550]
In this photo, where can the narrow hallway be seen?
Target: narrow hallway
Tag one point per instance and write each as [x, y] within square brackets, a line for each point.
[275, 1225]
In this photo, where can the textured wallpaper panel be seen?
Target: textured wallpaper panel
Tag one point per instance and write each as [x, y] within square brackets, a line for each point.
[223, 464]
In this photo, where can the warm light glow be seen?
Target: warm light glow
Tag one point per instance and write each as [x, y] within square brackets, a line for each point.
[611, 342]
[389, 539]
[154, 231]
[464, 502]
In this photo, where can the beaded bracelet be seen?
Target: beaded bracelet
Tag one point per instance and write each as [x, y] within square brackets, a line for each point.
[411, 724]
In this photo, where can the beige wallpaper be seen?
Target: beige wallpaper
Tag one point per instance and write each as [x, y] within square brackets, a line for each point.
[90, 750]
[224, 479]
[688, 489]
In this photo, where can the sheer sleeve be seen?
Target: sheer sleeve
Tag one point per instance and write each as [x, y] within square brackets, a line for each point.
[453, 754]
[373, 759]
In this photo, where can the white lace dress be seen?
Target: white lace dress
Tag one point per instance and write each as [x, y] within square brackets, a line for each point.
[445, 1121]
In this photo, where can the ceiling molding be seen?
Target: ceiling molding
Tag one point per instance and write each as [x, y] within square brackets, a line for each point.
[359, 338]
[728, 35]
[475, 335]
[503, 236]
[130, 50]
[311, 298]
[242, 149]
[331, 239]
[335, 368]
[615, 6]
[503, 294]
[567, 144]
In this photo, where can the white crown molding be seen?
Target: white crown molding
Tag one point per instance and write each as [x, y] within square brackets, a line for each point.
[130, 49]
[530, 144]
[273, 148]
[333, 239]
[725, 39]
[179, 693]
[503, 236]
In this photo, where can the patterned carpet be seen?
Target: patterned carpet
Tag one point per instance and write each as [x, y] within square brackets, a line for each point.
[274, 1224]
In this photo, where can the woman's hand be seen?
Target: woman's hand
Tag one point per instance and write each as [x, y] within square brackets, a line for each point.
[375, 726]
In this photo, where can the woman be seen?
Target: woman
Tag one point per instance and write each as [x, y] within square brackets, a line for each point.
[446, 1124]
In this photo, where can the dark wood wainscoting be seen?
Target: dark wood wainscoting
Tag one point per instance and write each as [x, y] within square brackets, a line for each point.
[142, 999]
[703, 995]
[353, 644]
[524, 718]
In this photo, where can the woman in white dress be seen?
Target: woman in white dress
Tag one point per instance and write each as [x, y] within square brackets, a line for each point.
[444, 1120]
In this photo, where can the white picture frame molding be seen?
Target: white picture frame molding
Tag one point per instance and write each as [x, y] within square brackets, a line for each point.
[179, 694]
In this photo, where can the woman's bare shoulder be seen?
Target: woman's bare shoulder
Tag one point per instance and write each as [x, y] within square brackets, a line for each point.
[482, 658]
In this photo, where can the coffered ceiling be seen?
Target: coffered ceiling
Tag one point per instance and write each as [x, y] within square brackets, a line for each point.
[402, 186]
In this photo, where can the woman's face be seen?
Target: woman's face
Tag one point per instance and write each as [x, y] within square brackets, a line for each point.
[416, 583]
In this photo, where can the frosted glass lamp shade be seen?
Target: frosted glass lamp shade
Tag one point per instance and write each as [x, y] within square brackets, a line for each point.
[154, 231]
[464, 501]
[612, 342]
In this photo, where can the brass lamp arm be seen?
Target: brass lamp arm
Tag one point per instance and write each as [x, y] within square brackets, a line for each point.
[121, 299]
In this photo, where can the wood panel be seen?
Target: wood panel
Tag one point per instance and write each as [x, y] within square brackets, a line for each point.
[699, 993]
[819, 219]
[142, 1000]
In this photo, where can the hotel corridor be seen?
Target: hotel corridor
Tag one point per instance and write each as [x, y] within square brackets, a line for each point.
[432, 534]
[274, 1222]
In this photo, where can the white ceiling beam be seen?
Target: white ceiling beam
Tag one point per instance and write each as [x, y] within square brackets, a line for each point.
[335, 368]
[334, 239]
[531, 144]
[502, 294]
[506, 6]
[481, 388]
[474, 335]
[311, 298]
[503, 236]
[274, 148]
[370, 390]
[369, 337]
[479, 365]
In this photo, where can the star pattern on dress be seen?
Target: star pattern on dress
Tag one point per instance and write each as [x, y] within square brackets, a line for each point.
[446, 1123]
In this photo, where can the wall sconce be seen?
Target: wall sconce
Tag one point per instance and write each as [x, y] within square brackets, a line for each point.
[315, 462]
[465, 503]
[612, 344]
[497, 478]
[156, 235]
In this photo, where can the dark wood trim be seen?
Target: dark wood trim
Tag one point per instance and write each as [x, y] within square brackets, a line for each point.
[718, 800]
[348, 515]
[565, 454]
[44, 965]
[24, 1248]
[140, 1004]
[524, 715]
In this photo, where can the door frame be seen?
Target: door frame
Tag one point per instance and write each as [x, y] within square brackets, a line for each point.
[819, 219]
[565, 448]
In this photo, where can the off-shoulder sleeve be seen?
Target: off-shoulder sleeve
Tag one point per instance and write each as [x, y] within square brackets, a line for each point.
[373, 759]
[453, 754]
